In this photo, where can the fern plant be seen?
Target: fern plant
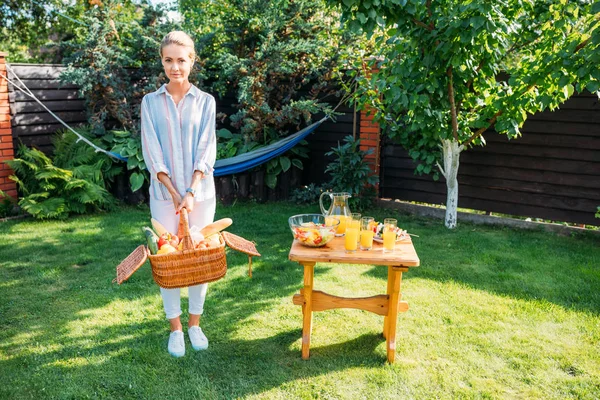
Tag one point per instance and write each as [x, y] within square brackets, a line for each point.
[53, 192]
[83, 160]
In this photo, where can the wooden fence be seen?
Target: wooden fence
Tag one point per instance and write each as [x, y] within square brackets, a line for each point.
[31, 124]
[551, 172]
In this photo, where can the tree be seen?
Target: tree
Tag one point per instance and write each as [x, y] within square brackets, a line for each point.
[31, 30]
[439, 86]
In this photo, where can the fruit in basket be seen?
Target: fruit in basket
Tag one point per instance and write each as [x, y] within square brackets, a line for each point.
[166, 249]
[167, 238]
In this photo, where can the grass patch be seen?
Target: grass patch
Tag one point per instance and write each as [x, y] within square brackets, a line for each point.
[495, 313]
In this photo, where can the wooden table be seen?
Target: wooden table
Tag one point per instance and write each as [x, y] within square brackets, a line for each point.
[388, 305]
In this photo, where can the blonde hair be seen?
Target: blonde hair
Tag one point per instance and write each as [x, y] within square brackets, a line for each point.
[179, 38]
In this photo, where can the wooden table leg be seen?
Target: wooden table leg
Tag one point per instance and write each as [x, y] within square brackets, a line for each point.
[309, 271]
[394, 279]
[389, 292]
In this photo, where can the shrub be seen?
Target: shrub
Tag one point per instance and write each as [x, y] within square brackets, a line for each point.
[350, 173]
[309, 194]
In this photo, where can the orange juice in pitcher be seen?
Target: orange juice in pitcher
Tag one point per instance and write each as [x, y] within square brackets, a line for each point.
[339, 209]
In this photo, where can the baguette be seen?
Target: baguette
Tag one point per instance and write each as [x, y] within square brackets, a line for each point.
[215, 227]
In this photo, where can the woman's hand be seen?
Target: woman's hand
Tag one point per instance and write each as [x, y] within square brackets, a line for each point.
[187, 202]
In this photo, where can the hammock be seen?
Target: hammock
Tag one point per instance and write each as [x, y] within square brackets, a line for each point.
[244, 162]
[227, 166]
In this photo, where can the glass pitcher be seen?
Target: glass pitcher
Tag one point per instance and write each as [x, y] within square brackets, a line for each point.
[338, 209]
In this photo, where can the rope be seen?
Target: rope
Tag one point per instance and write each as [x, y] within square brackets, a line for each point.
[25, 89]
[59, 13]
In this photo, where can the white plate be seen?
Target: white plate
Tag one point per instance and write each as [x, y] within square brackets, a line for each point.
[398, 239]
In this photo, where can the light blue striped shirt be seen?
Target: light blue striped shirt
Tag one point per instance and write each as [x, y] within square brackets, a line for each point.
[178, 140]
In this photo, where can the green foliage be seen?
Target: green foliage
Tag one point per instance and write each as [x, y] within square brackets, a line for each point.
[83, 160]
[112, 63]
[53, 192]
[309, 194]
[598, 212]
[442, 58]
[128, 145]
[30, 30]
[7, 205]
[277, 57]
[231, 144]
[34, 31]
[350, 173]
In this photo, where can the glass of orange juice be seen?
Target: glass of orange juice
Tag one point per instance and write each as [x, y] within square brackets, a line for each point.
[366, 233]
[389, 234]
[356, 220]
[351, 239]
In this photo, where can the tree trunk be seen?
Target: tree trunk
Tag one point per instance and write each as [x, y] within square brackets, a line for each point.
[451, 151]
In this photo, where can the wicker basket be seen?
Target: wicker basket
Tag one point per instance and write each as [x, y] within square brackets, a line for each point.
[190, 266]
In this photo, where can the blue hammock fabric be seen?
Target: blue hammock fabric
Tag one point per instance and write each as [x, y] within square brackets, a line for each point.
[251, 159]
[244, 162]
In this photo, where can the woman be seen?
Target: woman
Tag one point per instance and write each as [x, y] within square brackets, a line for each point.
[179, 146]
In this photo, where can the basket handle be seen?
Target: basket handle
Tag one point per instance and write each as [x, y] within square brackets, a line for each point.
[184, 230]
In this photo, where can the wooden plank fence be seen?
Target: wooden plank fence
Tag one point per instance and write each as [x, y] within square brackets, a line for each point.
[31, 124]
[551, 172]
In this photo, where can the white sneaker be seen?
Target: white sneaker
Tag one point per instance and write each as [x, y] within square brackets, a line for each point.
[176, 344]
[197, 337]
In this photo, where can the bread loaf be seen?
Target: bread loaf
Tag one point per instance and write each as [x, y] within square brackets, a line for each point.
[215, 227]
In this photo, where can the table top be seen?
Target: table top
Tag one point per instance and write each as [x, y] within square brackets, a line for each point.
[404, 254]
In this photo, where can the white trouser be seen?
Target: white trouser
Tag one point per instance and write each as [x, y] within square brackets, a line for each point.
[203, 214]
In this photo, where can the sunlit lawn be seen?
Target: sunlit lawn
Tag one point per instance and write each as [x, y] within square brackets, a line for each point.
[494, 313]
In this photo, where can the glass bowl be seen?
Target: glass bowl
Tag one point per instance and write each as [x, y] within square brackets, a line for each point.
[313, 230]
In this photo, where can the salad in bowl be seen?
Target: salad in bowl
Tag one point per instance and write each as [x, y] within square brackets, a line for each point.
[313, 230]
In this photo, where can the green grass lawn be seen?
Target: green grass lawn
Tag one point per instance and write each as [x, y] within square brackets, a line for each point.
[494, 313]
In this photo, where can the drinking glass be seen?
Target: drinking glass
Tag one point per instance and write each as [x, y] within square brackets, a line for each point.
[389, 234]
[351, 239]
[356, 220]
[366, 233]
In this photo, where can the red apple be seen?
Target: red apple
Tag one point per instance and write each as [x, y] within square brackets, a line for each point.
[164, 239]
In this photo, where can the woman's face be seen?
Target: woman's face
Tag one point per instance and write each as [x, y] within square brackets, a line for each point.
[177, 62]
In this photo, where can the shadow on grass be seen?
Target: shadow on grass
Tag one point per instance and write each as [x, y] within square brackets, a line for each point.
[527, 265]
[132, 362]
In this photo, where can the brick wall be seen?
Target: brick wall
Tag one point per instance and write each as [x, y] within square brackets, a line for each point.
[370, 138]
[6, 140]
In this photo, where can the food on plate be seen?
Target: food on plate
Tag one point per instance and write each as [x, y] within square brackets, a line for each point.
[378, 231]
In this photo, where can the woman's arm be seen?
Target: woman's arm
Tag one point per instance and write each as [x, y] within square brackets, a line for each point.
[206, 153]
[165, 180]
[153, 155]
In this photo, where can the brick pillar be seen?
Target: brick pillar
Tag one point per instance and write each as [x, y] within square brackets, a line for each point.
[6, 140]
[370, 138]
